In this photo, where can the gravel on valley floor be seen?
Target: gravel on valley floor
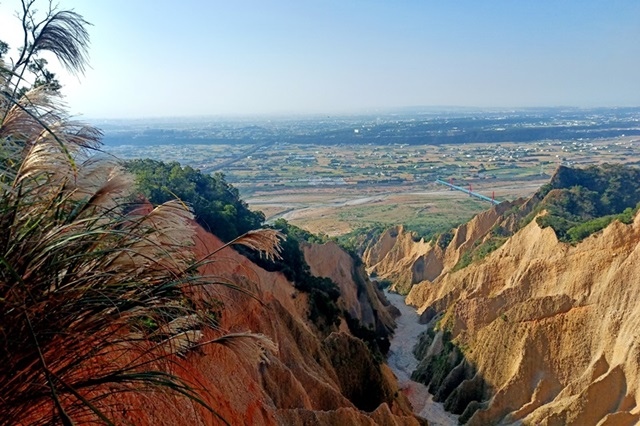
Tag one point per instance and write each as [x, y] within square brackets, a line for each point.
[402, 363]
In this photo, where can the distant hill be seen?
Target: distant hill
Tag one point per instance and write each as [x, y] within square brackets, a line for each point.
[404, 127]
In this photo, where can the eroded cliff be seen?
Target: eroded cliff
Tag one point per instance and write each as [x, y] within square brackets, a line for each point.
[312, 377]
[397, 257]
[540, 331]
[530, 309]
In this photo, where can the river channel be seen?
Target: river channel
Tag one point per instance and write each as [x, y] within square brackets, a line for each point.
[402, 362]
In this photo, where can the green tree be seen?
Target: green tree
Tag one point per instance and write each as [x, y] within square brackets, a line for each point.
[4, 48]
[580, 202]
[62, 33]
[216, 203]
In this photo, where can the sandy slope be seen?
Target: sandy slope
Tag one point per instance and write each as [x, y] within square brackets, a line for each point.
[549, 332]
[553, 329]
[397, 257]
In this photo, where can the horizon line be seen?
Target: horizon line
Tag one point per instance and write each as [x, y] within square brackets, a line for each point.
[427, 109]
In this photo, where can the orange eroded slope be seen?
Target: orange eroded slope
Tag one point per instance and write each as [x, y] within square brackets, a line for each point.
[309, 378]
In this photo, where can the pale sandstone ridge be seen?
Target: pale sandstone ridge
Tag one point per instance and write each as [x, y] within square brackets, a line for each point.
[548, 333]
[359, 296]
[311, 379]
[397, 257]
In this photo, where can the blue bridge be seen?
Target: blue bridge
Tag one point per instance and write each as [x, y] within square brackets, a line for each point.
[468, 191]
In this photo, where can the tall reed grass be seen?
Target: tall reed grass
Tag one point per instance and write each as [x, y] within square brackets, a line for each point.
[95, 295]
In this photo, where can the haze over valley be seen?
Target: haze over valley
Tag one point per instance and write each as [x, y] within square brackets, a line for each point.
[367, 170]
[319, 213]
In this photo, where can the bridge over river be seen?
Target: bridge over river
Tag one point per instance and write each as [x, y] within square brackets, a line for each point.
[468, 191]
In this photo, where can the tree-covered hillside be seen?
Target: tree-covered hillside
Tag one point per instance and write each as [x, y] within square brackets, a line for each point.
[580, 202]
[216, 204]
[576, 203]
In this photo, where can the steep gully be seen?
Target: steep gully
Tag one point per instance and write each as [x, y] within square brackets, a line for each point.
[402, 363]
[552, 327]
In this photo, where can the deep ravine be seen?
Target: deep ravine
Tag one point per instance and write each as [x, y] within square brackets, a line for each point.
[402, 362]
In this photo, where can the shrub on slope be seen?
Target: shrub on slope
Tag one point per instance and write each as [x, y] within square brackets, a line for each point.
[323, 293]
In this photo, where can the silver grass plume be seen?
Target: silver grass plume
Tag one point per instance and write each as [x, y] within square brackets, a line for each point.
[65, 35]
[253, 347]
[265, 241]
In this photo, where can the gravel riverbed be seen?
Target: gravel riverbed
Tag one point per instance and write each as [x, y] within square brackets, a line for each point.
[402, 362]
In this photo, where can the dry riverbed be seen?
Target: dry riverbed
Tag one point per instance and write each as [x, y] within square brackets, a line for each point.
[402, 362]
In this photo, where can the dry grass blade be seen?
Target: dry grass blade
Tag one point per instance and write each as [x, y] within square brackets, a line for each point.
[179, 343]
[93, 297]
[78, 134]
[19, 124]
[45, 157]
[178, 325]
[103, 183]
[96, 284]
[63, 263]
[265, 241]
[249, 346]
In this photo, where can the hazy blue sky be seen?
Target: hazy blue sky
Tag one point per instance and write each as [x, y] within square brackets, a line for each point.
[188, 57]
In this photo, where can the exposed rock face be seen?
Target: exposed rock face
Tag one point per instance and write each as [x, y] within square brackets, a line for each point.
[397, 257]
[343, 416]
[310, 380]
[539, 332]
[394, 256]
[359, 296]
[357, 371]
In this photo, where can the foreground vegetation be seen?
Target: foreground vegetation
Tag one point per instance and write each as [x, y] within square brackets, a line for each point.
[96, 295]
